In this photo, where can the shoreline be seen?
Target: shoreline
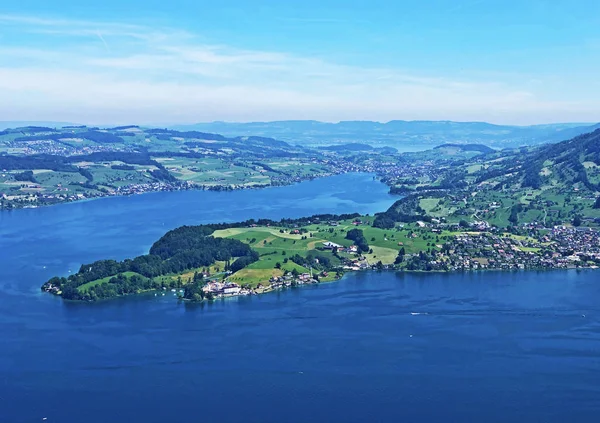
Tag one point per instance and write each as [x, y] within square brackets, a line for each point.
[270, 290]
[397, 271]
[189, 187]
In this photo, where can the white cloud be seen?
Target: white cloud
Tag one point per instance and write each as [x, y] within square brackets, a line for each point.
[94, 72]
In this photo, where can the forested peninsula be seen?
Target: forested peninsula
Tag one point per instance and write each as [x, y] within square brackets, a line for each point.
[531, 208]
[212, 261]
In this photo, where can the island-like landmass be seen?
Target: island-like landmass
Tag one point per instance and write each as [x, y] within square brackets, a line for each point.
[253, 257]
[530, 208]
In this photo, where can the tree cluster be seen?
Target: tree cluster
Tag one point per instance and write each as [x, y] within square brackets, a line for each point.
[359, 239]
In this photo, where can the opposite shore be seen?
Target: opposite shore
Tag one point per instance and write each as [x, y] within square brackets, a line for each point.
[37, 201]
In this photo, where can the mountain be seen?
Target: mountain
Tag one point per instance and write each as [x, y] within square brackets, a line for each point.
[564, 165]
[71, 140]
[406, 135]
[21, 124]
[536, 186]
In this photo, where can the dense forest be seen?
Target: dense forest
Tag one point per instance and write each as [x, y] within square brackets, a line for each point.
[181, 249]
[405, 210]
[359, 239]
[567, 157]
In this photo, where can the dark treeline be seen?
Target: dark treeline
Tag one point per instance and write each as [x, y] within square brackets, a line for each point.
[181, 249]
[314, 259]
[359, 239]
[255, 140]
[494, 173]
[268, 168]
[120, 128]
[86, 174]
[565, 156]
[453, 179]
[122, 167]
[34, 129]
[162, 174]
[123, 285]
[26, 176]
[405, 210]
[42, 161]
[100, 137]
[187, 134]
[468, 147]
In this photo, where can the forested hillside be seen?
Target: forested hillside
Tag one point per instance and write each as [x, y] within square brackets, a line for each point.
[549, 184]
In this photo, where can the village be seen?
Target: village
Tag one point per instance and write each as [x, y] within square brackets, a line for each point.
[485, 248]
[476, 248]
[33, 197]
[223, 289]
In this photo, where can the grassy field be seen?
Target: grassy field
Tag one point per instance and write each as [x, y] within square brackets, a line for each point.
[276, 245]
[211, 171]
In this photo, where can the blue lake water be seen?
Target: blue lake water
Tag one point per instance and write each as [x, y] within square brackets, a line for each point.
[494, 347]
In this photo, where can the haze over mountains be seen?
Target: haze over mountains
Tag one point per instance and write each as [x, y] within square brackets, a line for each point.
[399, 134]
[403, 135]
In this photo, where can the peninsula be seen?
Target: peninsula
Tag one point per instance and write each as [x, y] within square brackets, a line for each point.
[530, 208]
[254, 257]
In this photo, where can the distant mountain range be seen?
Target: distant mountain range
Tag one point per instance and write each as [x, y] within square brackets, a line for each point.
[398, 133]
[402, 135]
[6, 124]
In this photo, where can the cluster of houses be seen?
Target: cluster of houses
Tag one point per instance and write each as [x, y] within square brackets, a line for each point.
[224, 289]
[392, 170]
[490, 251]
[133, 189]
[59, 148]
[577, 243]
[288, 280]
[353, 249]
[359, 263]
[561, 248]
[63, 194]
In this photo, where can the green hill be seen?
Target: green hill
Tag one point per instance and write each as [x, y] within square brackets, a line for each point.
[545, 185]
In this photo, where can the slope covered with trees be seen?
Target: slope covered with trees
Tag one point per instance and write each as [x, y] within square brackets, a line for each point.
[181, 249]
[545, 185]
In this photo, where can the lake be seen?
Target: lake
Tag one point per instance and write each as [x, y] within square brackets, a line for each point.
[494, 347]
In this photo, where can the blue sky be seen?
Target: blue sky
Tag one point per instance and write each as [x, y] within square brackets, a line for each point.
[181, 61]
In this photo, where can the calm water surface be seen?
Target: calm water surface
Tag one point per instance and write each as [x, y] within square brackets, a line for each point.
[492, 347]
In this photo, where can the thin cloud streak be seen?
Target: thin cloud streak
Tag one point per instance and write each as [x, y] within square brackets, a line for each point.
[162, 74]
[103, 42]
